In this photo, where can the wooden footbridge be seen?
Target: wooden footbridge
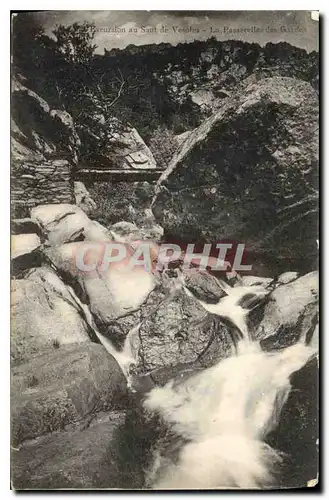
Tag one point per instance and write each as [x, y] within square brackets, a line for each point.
[122, 175]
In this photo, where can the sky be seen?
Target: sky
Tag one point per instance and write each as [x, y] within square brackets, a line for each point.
[117, 29]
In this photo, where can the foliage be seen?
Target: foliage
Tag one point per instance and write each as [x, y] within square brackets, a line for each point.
[60, 69]
[121, 201]
[135, 84]
[74, 42]
[27, 37]
[163, 145]
[66, 72]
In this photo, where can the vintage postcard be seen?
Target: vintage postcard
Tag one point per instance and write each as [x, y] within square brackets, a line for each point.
[164, 250]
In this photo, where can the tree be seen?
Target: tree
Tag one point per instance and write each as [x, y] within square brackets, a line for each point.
[102, 101]
[62, 70]
[27, 42]
[84, 91]
[74, 42]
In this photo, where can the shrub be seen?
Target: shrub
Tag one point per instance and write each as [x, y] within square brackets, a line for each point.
[163, 145]
[121, 201]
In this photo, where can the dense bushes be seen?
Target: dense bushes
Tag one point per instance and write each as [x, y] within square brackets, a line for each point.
[122, 201]
[163, 145]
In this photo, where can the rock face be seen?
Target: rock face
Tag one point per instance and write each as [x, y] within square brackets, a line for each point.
[25, 252]
[197, 77]
[63, 386]
[64, 223]
[112, 292]
[203, 285]
[127, 231]
[249, 172]
[298, 430]
[290, 314]
[25, 226]
[83, 198]
[44, 315]
[216, 68]
[113, 148]
[255, 281]
[44, 151]
[177, 334]
[22, 244]
[68, 459]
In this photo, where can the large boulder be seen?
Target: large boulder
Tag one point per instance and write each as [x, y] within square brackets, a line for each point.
[287, 277]
[125, 231]
[44, 147]
[69, 459]
[129, 232]
[108, 144]
[25, 226]
[177, 335]
[203, 285]
[44, 315]
[22, 244]
[64, 386]
[25, 252]
[113, 291]
[63, 223]
[135, 153]
[254, 281]
[249, 173]
[297, 433]
[291, 313]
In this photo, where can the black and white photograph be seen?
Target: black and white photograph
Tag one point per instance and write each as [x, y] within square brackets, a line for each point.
[164, 250]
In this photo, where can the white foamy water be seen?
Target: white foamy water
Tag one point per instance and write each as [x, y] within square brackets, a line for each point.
[229, 306]
[126, 356]
[226, 412]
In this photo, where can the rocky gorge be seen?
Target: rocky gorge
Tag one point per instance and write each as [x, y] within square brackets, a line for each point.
[87, 347]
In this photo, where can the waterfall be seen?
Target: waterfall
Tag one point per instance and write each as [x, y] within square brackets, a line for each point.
[225, 412]
[126, 356]
[236, 305]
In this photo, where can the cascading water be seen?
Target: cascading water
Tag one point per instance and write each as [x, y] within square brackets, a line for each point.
[225, 413]
[124, 357]
[234, 306]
